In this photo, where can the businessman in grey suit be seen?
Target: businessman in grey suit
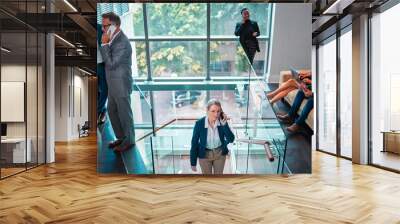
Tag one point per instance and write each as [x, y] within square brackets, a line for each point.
[117, 54]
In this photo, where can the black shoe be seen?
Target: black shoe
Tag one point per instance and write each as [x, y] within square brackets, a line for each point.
[285, 118]
[293, 128]
[102, 118]
[115, 143]
[123, 148]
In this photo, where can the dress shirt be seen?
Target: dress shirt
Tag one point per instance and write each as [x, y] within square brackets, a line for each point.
[99, 57]
[213, 140]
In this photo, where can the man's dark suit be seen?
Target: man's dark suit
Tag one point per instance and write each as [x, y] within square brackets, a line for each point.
[247, 40]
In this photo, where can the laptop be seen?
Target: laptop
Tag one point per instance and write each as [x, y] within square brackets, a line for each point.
[295, 74]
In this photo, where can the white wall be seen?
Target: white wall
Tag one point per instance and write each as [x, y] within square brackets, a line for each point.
[17, 73]
[71, 93]
[12, 73]
[291, 39]
[33, 126]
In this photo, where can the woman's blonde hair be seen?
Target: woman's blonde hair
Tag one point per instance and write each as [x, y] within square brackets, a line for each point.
[213, 102]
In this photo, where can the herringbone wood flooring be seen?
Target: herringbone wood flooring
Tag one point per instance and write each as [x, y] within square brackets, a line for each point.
[70, 191]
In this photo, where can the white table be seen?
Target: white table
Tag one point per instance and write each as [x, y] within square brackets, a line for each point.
[17, 146]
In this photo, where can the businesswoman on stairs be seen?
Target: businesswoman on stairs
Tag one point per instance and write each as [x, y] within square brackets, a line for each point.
[211, 135]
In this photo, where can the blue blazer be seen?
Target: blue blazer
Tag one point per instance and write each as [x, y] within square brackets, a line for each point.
[199, 140]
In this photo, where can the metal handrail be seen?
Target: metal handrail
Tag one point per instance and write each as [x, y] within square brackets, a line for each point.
[264, 143]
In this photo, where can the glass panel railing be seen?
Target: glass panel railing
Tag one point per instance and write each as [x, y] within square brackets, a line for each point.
[255, 157]
[143, 114]
[178, 104]
[258, 119]
[163, 154]
[139, 160]
[171, 147]
[171, 155]
[167, 130]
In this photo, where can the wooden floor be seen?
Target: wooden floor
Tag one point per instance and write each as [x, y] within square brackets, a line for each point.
[70, 191]
[10, 171]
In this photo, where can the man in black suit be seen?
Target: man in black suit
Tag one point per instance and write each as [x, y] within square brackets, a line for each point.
[248, 31]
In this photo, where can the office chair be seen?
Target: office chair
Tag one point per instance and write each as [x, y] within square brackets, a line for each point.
[84, 130]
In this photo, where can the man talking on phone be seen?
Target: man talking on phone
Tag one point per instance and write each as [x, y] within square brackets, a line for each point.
[117, 55]
[248, 31]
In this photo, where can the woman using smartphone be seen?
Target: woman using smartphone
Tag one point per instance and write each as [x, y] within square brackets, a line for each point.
[211, 135]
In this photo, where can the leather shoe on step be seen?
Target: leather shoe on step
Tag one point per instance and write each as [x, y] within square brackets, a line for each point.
[293, 128]
[284, 118]
[123, 148]
[102, 118]
[115, 143]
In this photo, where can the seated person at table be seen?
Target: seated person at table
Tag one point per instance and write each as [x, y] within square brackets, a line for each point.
[287, 87]
[304, 93]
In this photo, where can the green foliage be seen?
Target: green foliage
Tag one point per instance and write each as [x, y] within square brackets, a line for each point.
[190, 19]
[177, 57]
[141, 58]
[177, 19]
[138, 22]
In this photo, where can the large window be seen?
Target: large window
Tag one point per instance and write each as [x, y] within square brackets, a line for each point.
[178, 59]
[385, 84]
[346, 93]
[177, 36]
[224, 17]
[177, 19]
[139, 63]
[327, 95]
[335, 108]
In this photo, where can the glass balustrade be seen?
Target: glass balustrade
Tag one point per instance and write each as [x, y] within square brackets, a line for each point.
[165, 116]
[165, 119]
[133, 161]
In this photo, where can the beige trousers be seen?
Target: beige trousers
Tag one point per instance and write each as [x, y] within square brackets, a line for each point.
[214, 161]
